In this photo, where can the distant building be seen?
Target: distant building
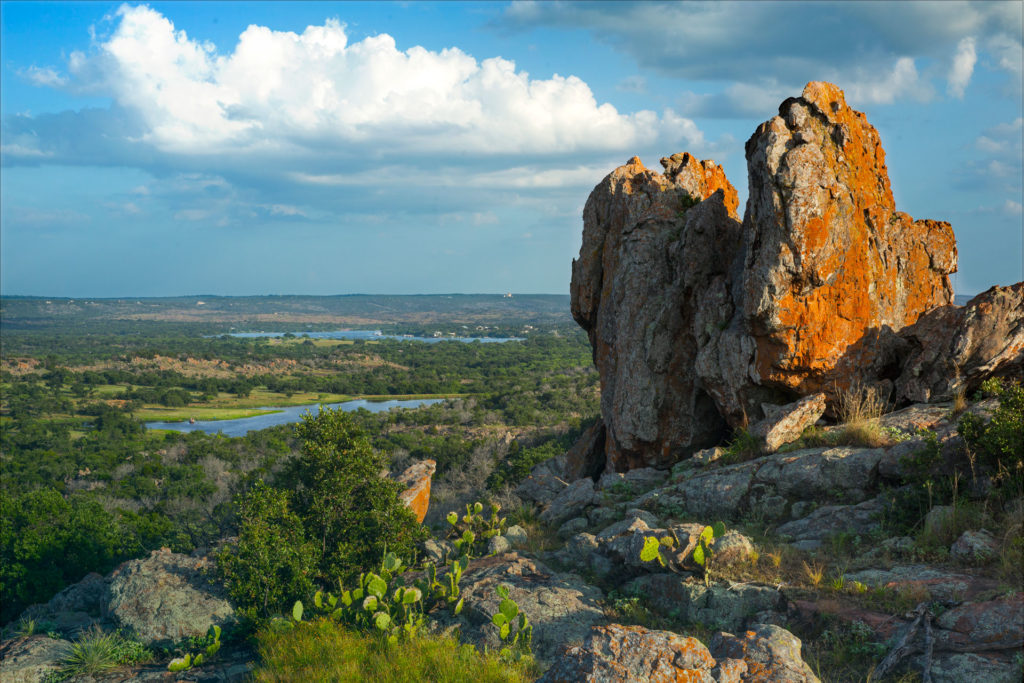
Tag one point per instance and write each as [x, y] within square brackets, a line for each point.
[506, 295]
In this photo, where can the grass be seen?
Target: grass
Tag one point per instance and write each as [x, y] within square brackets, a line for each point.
[96, 652]
[322, 650]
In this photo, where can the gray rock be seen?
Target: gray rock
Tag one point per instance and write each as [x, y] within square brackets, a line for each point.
[571, 502]
[516, 535]
[497, 545]
[989, 667]
[830, 520]
[771, 651]
[785, 424]
[690, 601]
[633, 654]
[974, 547]
[546, 480]
[167, 597]
[939, 519]
[602, 516]
[435, 551]
[561, 607]
[646, 478]
[31, 660]
[572, 527]
[819, 473]
[936, 583]
[732, 548]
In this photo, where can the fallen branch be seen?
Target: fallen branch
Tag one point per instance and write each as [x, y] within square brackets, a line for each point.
[904, 645]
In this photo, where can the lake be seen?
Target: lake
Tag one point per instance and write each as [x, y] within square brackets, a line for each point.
[243, 425]
[370, 335]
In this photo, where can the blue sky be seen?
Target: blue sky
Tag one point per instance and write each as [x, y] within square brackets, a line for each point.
[327, 148]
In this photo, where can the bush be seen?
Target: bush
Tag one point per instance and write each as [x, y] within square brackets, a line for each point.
[999, 443]
[96, 652]
[273, 560]
[322, 650]
[333, 517]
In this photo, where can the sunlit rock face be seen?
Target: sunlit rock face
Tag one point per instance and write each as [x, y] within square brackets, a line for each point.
[697, 319]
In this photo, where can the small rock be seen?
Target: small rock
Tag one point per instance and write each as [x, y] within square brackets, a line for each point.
[497, 545]
[785, 424]
[938, 520]
[167, 597]
[516, 535]
[601, 517]
[704, 457]
[434, 551]
[732, 548]
[571, 502]
[771, 652]
[416, 480]
[572, 527]
[645, 478]
[974, 547]
[649, 517]
[690, 601]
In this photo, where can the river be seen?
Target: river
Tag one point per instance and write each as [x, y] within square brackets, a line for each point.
[243, 425]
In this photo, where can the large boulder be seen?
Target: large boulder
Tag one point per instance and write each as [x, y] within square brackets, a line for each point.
[828, 261]
[32, 659]
[653, 245]
[697, 321]
[166, 597]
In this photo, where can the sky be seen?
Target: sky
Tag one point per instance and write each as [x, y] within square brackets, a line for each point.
[238, 148]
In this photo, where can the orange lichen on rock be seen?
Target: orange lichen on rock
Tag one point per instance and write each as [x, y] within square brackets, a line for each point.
[829, 256]
[416, 495]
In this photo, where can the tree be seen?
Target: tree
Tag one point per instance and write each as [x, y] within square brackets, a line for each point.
[348, 507]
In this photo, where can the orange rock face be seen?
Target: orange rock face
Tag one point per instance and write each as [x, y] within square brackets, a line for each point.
[696, 320]
[417, 479]
[828, 256]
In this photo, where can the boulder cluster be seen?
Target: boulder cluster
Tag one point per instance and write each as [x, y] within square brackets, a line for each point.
[701, 320]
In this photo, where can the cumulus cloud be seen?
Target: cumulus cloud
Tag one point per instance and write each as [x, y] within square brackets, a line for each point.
[962, 69]
[281, 92]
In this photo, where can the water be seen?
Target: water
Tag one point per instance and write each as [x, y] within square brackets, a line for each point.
[243, 425]
[370, 335]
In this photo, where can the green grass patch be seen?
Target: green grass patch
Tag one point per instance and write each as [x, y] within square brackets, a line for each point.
[325, 651]
[153, 413]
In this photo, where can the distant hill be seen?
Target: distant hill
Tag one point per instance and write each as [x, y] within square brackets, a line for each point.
[290, 313]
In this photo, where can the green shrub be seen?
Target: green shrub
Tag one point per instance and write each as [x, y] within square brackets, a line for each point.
[273, 559]
[999, 443]
[333, 516]
[322, 650]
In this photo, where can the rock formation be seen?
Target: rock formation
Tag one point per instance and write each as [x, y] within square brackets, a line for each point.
[698, 321]
[653, 245]
[416, 480]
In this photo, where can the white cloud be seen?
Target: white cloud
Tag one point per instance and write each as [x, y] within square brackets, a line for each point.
[283, 92]
[1012, 208]
[962, 69]
[901, 82]
[44, 76]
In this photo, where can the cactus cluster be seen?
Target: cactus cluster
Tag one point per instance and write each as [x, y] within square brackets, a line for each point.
[471, 531]
[702, 551]
[382, 602]
[514, 629]
[190, 660]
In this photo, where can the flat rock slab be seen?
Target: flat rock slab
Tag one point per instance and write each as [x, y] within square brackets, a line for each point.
[933, 583]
